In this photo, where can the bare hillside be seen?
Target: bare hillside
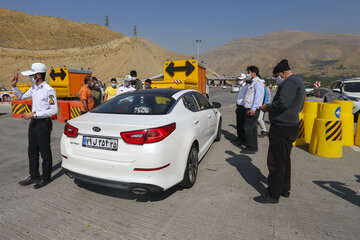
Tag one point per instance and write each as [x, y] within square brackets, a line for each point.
[23, 31]
[327, 54]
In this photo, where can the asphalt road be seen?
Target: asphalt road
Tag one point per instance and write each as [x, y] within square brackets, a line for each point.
[324, 201]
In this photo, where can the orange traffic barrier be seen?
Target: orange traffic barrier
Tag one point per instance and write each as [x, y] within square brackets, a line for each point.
[63, 110]
[20, 107]
[357, 134]
[75, 109]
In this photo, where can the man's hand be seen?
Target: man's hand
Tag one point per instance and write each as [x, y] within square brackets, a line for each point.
[251, 112]
[14, 81]
[28, 116]
[264, 108]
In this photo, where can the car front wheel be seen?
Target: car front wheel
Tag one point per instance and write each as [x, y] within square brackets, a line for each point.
[191, 168]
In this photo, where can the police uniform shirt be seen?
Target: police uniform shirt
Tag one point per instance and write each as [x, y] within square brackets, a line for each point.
[124, 89]
[44, 101]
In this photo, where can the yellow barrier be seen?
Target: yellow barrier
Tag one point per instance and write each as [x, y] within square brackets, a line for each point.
[357, 134]
[347, 122]
[310, 112]
[300, 140]
[326, 137]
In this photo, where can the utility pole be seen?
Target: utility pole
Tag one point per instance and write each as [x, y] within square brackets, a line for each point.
[135, 32]
[107, 21]
[198, 43]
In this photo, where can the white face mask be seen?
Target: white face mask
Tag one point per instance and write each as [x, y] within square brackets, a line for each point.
[248, 76]
[279, 80]
[32, 79]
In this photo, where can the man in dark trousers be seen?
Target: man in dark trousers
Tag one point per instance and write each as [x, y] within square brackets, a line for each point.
[44, 105]
[252, 102]
[284, 118]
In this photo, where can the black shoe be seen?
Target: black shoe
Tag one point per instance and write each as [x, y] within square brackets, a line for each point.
[266, 199]
[285, 194]
[263, 134]
[247, 151]
[42, 183]
[29, 181]
[235, 139]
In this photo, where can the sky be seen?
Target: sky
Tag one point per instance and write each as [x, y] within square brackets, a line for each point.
[176, 25]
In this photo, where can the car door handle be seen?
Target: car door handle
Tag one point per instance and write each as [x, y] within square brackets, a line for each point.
[209, 116]
[196, 121]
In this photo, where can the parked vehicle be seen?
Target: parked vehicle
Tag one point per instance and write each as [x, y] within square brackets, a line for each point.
[309, 90]
[345, 89]
[143, 141]
[235, 88]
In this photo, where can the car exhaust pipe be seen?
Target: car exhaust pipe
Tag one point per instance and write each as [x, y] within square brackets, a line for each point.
[139, 191]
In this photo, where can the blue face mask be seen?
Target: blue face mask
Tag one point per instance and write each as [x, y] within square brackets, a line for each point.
[147, 86]
[113, 85]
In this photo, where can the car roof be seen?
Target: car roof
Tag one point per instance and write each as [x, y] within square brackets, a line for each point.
[166, 92]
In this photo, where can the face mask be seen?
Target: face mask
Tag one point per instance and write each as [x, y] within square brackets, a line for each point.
[97, 85]
[147, 86]
[248, 76]
[91, 84]
[279, 80]
[113, 85]
[32, 79]
[133, 78]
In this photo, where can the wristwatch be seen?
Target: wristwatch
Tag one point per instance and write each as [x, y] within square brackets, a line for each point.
[34, 115]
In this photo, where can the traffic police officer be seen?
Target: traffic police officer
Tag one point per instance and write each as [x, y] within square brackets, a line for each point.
[44, 105]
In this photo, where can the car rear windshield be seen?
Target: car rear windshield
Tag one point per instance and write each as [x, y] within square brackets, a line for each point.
[139, 103]
[352, 87]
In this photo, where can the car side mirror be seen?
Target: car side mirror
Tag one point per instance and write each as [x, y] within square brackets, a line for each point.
[216, 105]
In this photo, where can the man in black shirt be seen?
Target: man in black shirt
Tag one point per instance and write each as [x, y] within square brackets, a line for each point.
[284, 118]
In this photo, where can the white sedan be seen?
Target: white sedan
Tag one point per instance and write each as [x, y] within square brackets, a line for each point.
[143, 141]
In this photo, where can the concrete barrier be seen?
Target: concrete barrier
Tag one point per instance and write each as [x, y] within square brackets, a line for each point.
[300, 140]
[326, 137]
[310, 113]
[347, 122]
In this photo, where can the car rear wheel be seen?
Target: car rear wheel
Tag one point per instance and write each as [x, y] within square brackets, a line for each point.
[191, 168]
[218, 135]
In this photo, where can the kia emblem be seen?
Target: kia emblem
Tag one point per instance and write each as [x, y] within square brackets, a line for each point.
[96, 129]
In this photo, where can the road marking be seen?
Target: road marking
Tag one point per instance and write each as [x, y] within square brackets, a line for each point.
[355, 148]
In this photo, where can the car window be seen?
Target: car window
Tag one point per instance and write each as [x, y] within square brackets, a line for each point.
[190, 102]
[203, 102]
[352, 87]
[145, 103]
[336, 85]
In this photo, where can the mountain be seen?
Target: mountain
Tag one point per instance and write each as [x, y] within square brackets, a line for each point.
[25, 39]
[310, 54]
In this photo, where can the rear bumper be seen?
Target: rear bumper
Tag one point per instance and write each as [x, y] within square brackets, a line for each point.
[114, 184]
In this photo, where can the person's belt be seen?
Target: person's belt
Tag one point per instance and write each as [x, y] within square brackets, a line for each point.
[41, 119]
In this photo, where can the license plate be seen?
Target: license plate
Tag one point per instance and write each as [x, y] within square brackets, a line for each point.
[100, 143]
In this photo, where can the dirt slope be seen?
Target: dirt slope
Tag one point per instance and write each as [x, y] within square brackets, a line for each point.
[325, 54]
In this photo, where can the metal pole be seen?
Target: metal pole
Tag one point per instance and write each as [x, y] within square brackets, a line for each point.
[198, 53]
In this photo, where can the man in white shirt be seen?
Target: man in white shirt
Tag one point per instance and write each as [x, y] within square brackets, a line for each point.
[44, 105]
[240, 111]
[126, 87]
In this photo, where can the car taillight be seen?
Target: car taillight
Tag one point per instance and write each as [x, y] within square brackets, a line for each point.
[151, 135]
[70, 131]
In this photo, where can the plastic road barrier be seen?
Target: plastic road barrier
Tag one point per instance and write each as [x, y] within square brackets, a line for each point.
[20, 107]
[63, 110]
[75, 109]
[347, 122]
[300, 140]
[326, 137]
[357, 134]
[310, 112]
